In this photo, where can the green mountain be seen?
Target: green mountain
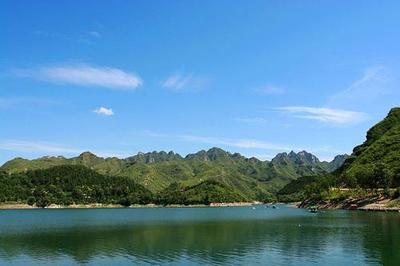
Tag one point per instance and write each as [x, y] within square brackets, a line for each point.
[336, 163]
[375, 163]
[303, 163]
[246, 178]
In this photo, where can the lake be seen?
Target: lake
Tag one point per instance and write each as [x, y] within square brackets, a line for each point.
[198, 236]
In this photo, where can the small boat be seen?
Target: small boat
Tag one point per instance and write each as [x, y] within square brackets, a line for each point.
[313, 209]
[353, 207]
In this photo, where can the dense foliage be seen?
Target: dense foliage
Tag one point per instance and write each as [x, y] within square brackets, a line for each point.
[376, 163]
[295, 190]
[76, 184]
[66, 185]
[205, 192]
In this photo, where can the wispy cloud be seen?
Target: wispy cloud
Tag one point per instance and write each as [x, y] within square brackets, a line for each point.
[260, 156]
[24, 103]
[270, 90]
[151, 133]
[262, 149]
[377, 85]
[85, 75]
[88, 37]
[40, 148]
[36, 147]
[327, 115]
[238, 143]
[374, 83]
[252, 120]
[104, 111]
[95, 34]
[220, 141]
[182, 82]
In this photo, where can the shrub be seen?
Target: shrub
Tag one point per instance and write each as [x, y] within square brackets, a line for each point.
[31, 201]
[396, 193]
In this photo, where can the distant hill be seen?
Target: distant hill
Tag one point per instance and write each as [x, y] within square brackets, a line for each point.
[336, 163]
[248, 178]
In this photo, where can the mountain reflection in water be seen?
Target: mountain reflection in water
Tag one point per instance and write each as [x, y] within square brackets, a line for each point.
[199, 236]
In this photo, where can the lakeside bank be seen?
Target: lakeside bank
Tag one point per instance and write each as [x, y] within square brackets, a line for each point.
[376, 203]
[20, 206]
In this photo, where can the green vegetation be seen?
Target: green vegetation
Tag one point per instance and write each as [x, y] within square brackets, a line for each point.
[209, 176]
[205, 192]
[375, 163]
[77, 184]
[66, 185]
[296, 190]
[373, 166]
[226, 176]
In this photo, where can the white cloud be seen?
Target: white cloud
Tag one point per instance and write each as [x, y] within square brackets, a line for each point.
[181, 82]
[85, 75]
[270, 90]
[104, 111]
[327, 115]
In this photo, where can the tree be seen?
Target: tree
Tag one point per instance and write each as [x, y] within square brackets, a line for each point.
[381, 176]
[31, 201]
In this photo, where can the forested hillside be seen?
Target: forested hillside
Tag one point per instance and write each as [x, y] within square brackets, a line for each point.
[70, 184]
[375, 164]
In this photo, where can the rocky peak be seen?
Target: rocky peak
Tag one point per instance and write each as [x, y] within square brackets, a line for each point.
[154, 157]
[307, 158]
[87, 156]
[302, 157]
[211, 155]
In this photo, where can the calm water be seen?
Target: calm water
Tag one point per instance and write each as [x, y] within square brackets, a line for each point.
[192, 236]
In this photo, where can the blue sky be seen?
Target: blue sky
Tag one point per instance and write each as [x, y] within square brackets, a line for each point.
[260, 78]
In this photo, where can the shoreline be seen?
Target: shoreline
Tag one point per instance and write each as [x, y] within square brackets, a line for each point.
[375, 204]
[24, 206]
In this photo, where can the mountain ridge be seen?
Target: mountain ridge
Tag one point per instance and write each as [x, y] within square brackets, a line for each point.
[249, 178]
[212, 154]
